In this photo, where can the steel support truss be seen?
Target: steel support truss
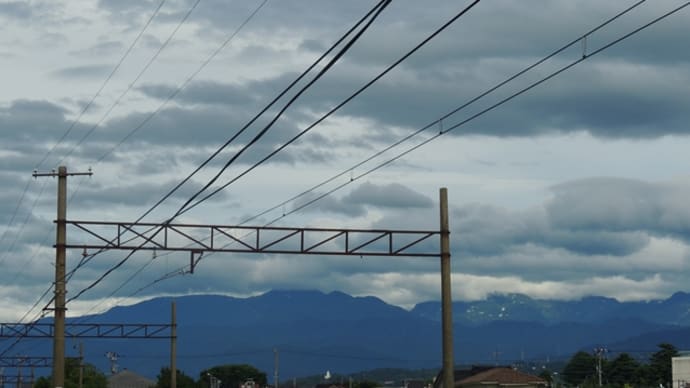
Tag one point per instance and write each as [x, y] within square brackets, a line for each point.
[25, 361]
[86, 330]
[252, 239]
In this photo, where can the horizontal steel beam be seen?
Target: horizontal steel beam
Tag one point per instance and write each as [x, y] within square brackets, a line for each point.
[253, 239]
[86, 330]
[25, 361]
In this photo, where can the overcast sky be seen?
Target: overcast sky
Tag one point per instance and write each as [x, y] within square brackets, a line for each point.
[576, 187]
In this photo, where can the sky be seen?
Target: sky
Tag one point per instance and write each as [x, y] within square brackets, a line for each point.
[575, 187]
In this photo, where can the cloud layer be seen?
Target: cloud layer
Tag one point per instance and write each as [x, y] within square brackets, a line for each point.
[574, 188]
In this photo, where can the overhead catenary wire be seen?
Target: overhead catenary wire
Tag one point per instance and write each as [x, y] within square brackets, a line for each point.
[87, 258]
[258, 115]
[453, 127]
[333, 110]
[388, 69]
[103, 85]
[616, 41]
[130, 86]
[172, 96]
[74, 122]
[299, 78]
[294, 98]
[378, 8]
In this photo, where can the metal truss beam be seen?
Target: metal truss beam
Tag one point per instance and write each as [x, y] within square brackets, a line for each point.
[87, 330]
[252, 239]
[25, 361]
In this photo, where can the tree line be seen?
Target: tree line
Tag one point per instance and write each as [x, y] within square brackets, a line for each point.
[584, 369]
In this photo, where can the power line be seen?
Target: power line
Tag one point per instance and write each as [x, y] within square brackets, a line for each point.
[333, 110]
[374, 10]
[177, 272]
[258, 115]
[107, 79]
[561, 70]
[136, 79]
[77, 119]
[294, 98]
[388, 69]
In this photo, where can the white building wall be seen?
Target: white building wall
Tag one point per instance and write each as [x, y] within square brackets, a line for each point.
[680, 367]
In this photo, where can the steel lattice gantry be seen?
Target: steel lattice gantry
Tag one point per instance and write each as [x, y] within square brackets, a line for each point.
[86, 330]
[25, 361]
[251, 239]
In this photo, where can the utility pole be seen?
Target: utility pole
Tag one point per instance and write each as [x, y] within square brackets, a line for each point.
[600, 354]
[60, 280]
[446, 300]
[275, 367]
[81, 364]
[173, 346]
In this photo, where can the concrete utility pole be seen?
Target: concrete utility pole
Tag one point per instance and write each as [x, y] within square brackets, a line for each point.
[173, 346]
[60, 281]
[446, 300]
[275, 367]
[81, 364]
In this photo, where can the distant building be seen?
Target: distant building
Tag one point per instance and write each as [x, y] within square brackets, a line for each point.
[128, 379]
[493, 377]
[680, 370]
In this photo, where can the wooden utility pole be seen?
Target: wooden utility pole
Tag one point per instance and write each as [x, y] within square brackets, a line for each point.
[60, 280]
[446, 299]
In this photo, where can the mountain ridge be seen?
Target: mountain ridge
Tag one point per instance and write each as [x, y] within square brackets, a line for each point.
[316, 331]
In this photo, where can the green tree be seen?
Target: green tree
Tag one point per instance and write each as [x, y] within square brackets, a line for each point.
[659, 370]
[623, 370]
[546, 375]
[183, 381]
[92, 377]
[582, 366]
[231, 376]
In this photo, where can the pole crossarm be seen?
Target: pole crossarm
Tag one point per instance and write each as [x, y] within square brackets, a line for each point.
[25, 361]
[253, 239]
[87, 330]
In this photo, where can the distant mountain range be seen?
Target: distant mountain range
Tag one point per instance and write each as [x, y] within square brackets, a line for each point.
[516, 307]
[314, 332]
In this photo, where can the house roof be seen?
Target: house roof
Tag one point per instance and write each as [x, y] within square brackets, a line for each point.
[128, 379]
[503, 376]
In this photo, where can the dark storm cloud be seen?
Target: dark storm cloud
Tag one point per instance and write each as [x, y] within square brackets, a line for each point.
[86, 71]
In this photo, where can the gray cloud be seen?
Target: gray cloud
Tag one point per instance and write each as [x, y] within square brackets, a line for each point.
[101, 49]
[86, 71]
[392, 195]
[15, 10]
[610, 204]
[598, 216]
